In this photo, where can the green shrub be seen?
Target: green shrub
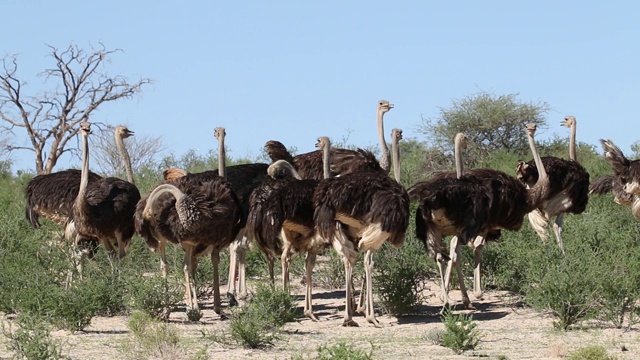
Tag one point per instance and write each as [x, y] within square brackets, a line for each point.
[151, 339]
[594, 352]
[258, 323]
[154, 295]
[339, 351]
[399, 277]
[30, 338]
[460, 332]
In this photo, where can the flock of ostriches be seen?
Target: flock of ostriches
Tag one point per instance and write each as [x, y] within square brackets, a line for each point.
[330, 197]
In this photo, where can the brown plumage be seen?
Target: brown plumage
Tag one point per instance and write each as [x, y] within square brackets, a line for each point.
[359, 212]
[625, 181]
[611, 184]
[103, 208]
[244, 178]
[474, 205]
[202, 214]
[568, 188]
[283, 223]
[343, 161]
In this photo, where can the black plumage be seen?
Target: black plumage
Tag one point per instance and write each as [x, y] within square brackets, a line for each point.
[625, 181]
[201, 213]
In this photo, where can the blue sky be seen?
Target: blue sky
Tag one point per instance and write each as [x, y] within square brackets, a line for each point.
[296, 70]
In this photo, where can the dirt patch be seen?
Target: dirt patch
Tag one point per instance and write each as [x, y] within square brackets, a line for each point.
[507, 329]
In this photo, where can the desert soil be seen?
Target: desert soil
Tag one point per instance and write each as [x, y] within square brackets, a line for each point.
[507, 329]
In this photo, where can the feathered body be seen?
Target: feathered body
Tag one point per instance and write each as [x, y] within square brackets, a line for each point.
[568, 185]
[104, 209]
[625, 181]
[611, 184]
[359, 212]
[201, 212]
[309, 165]
[52, 195]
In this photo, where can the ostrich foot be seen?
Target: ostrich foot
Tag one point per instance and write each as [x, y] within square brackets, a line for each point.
[374, 321]
[350, 323]
[468, 305]
[478, 295]
[223, 316]
[232, 300]
[309, 314]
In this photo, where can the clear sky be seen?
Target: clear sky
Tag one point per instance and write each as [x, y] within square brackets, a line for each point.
[296, 70]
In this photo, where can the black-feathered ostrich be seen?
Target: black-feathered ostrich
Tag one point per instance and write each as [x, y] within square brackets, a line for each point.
[502, 202]
[343, 161]
[103, 208]
[283, 224]
[359, 212]
[244, 178]
[52, 195]
[569, 188]
[202, 214]
[625, 181]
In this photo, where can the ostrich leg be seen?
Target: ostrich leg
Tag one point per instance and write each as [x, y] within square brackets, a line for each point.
[557, 228]
[310, 262]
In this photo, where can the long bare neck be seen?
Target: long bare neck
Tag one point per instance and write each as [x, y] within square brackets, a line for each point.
[386, 158]
[326, 160]
[222, 157]
[125, 156]
[572, 143]
[182, 207]
[542, 173]
[395, 152]
[80, 203]
[457, 154]
[539, 191]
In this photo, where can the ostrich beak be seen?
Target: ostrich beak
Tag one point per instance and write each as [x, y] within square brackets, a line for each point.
[129, 132]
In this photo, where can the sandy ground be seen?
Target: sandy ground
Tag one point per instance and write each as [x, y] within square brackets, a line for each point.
[507, 330]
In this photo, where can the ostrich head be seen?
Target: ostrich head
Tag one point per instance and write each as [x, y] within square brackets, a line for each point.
[85, 128]
[172, 174]
[384, 106]
[123, 132]
[461, 140]
[396, 135]
[219, 133]
[568, 121]
[323, 141]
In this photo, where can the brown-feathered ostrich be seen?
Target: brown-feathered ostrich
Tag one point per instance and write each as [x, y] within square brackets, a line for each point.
[202, 214]
[52, 195]
[104, 208]
[625, 181]
[359, 212]
[569, 188]
[283, 223]
[343, 161]
[475, 207]
[244, 178]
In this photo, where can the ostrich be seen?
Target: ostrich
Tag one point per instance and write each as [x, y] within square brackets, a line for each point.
[244, 178]
[52, 195]
[569, 188]
[285, 219]
[625, 182]
[611, 183]
[508, 201]
[343, 161]
[360, 211]
[202, 214]
[103, 209]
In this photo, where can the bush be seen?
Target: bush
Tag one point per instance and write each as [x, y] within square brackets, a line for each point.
[591, 353]
[31, 339]
[460, 332]
[258, 323]
[400, 275]
[339, 351]
[151, 339]
[154, 296]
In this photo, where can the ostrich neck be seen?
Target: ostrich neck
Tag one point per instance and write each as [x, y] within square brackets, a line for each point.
[155, 195]
[457, 153]
[572, 144]
[386, 158]
[395, 149]
[326, 161]
[125, 156]
[80, 203]
[222, 161]
[538, 192]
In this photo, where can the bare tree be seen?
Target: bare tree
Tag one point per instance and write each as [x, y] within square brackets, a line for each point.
[142, 150]
[79, 85]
